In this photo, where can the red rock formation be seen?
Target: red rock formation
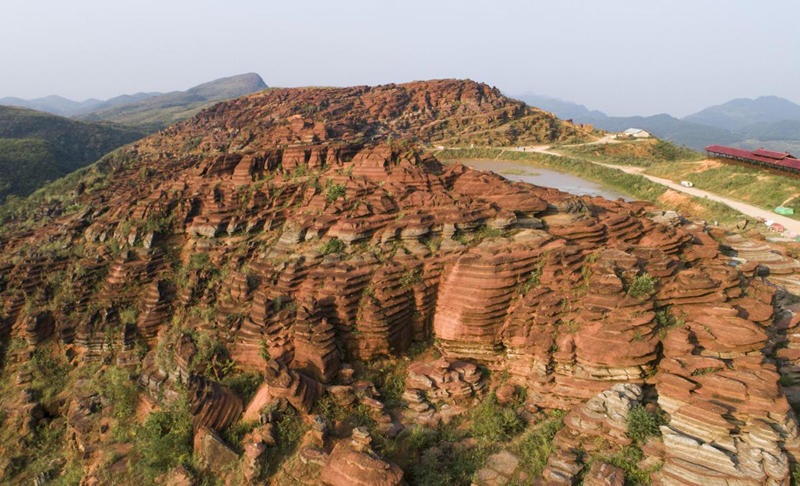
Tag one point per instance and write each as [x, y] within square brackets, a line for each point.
[474, 298]
[429, 385]
[212, 405]
[300, 390]
[269, 223]
[154, 311]
[354, 463]
[315, 351]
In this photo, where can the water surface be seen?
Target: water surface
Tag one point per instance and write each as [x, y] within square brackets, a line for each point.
[543, 177]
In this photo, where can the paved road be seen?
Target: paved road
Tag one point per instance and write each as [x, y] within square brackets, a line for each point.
[755, 212]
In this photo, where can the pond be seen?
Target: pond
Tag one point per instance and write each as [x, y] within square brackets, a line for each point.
[544, 177]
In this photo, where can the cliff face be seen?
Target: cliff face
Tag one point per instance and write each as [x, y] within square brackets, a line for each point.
[299, 237]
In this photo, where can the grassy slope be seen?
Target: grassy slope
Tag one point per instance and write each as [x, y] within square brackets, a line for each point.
[153, 118]
[757, 187]
[37, 147]
[634, 185]
[642, 153]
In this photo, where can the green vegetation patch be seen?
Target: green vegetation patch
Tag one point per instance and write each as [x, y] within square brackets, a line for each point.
[640, 153]
[164, 440]
[755, 186]
[334, 192]
[494, 423]
[535, 445]
[641, 286]
[333, 245]
[37, 147]
[643, 424]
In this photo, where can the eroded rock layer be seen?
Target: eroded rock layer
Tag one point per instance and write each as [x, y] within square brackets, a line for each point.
[285, 235]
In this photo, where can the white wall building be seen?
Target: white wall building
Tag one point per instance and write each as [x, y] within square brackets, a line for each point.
[636, 133]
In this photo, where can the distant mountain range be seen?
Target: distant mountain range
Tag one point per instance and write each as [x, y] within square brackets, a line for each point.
[43, 145]
[149, 111]
[767, 121]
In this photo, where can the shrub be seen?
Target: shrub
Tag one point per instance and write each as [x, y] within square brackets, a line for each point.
[164, 440]
[157, 223]
[234, 434]
[50, 374]
[244, 384]
[300, 171]
[117, 387]
[334, 245]
[536, 445]
[434, 457]
[667, 321]
[643, 424]
[289, 429]
[641, 285]
[411, 278]
[128, 315]
[358, 416]
[389, 377]
[335, 191]
[494, 423]
[627, 459]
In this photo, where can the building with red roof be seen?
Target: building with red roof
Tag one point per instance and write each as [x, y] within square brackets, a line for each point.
[761, 158]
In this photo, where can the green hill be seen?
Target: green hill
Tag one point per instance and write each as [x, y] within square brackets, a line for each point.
[38, 147]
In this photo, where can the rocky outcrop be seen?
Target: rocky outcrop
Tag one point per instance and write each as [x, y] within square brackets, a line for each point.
[315, 351]
[212, 405]
[474, 298]
[500, 468]
[354, 462]
[212, 452]
[760, 257]
[429, 386]
[604, 474]
[300, 390]
[587, 427]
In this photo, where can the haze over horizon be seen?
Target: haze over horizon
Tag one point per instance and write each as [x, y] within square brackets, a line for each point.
[673, 58]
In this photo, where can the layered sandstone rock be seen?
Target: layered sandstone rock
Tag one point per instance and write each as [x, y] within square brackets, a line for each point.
[354, 463]
[430, 385]
[285, 227]
[300, 390]
[212, 405]
[602, 418]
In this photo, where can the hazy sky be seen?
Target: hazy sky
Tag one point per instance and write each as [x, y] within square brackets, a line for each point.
[622, 57]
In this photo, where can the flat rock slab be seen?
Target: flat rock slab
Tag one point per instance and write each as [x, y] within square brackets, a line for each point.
[500, 469]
